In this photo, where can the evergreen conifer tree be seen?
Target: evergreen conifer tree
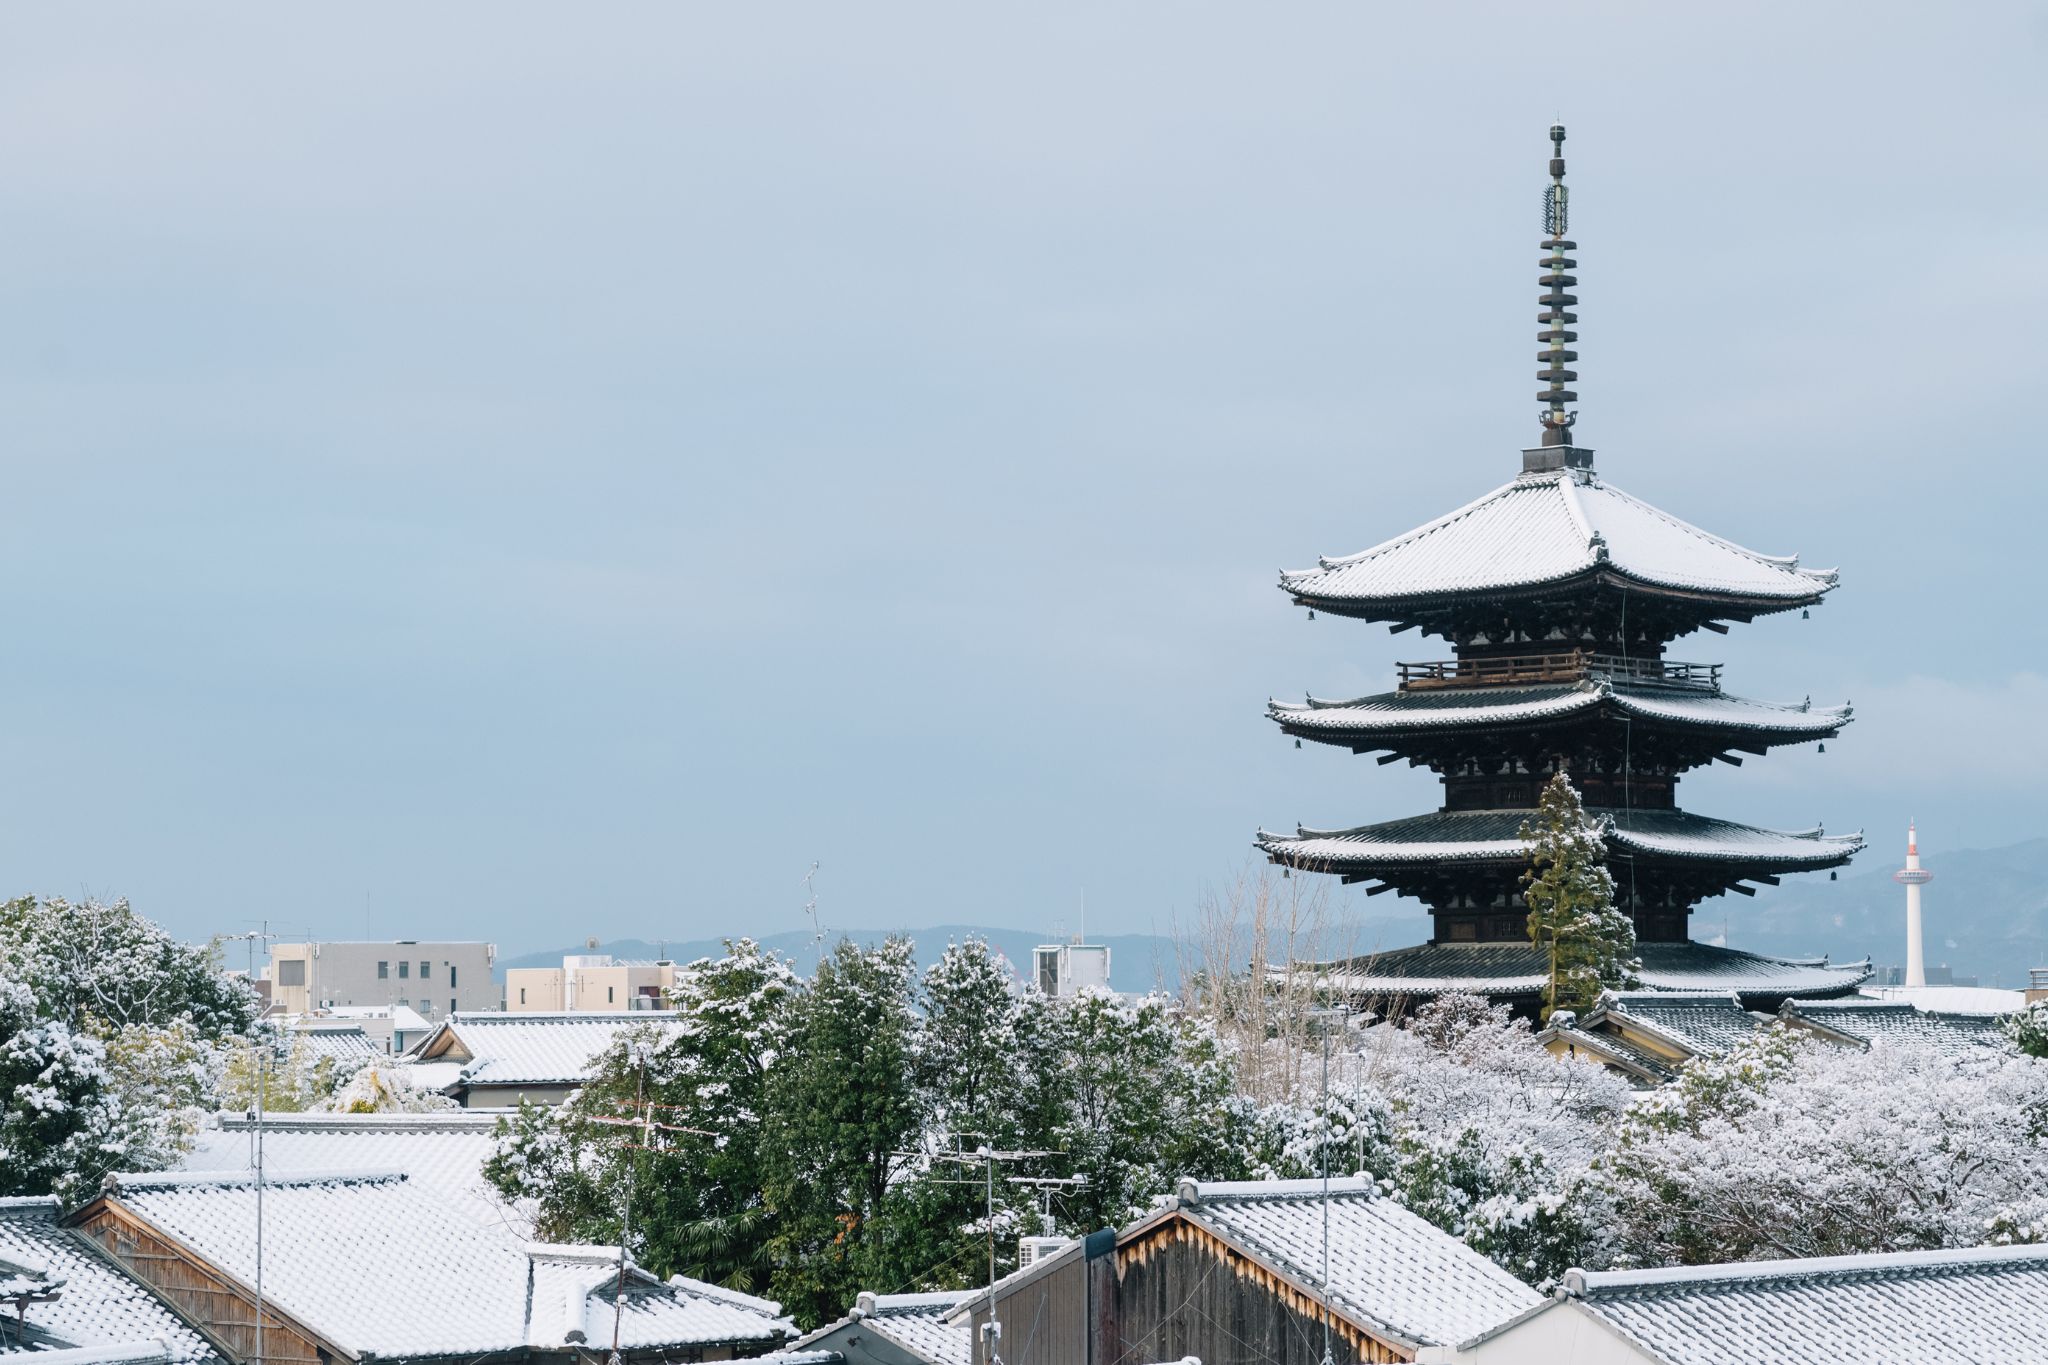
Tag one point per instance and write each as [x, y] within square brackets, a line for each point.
[1572, 917]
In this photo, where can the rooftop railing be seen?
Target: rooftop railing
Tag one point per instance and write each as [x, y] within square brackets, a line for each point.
[1506, 670]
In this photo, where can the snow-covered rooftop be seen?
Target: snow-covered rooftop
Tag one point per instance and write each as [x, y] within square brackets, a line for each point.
[916, 1323]
[344, 1044]
[1518, 969]
[1495, 836]
[1899, 1024]
[1924, 1307]
[350, 1253]
[532, 1049]
[97, 1306]
[441, 1153]
[1551, 528]
[1389, 1269]
[1705, 1024]
[1953, 999]
[1486, 708]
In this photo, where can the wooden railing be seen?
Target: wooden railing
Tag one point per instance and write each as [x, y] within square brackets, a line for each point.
[1504, 670]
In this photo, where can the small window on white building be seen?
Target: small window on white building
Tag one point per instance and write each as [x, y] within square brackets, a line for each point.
[291, 971]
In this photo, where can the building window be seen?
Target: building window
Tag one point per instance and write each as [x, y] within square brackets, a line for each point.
[609, 998]
[291, 971]
[426, 970]
[451, 976]
[404, 970]
[383, 970]
[451, 1004]
[522, 995]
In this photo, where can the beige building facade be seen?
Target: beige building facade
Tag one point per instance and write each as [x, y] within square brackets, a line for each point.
[433, 979]
[588, 983]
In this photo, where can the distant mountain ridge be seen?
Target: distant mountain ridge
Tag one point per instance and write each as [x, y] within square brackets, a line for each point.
[1986, 916]
[1986, 913]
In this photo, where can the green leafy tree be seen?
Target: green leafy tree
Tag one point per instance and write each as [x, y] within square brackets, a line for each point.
[843, 1107]
[1572, 917]
[699, 1207]
[2028, 1029]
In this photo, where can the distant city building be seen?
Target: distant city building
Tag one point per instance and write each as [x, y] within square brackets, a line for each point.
[1070, 968]
[1557, 595]
[589, 983]
[432, 979]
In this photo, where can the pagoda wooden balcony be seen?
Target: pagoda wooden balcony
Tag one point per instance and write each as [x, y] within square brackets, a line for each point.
[1525, 669]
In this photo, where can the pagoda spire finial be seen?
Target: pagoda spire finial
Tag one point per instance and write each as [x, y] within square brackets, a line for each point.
[1557, 423]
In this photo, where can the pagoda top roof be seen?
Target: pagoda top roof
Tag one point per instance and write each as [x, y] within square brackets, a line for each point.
[1548, 528]
[1494, 836]
[1490, 707]
[1499, 969]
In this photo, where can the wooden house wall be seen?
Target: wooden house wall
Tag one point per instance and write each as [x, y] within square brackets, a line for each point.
[1046, 1320]
[1185, 1293]
[217, 1305]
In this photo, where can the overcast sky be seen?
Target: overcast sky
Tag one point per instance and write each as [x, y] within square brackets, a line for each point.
[491, 471]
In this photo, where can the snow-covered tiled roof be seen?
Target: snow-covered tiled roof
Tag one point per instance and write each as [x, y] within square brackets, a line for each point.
[121, 1353]
[345, 1045]
[442, 1153]
[97, 1305]
[1519, 969]
[1898, 1024]
[533, 1049]
[1484, 708]
[1389, 1269]
[349, 1252]
[1495, 836]
[1705, 1025]
[1923, 1307]
[916, 1323]
[1552, 528]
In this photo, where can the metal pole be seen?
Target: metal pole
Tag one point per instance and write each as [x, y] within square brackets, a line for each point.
[1324, 1148]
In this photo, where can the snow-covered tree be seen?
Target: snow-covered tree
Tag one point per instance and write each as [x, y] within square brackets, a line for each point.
[1589, 943]
[58, 1106]
[700, 1209]
[90, 960]
[842, 1111]
[2028, 1029]
[379, 1089]
[1791, 1147]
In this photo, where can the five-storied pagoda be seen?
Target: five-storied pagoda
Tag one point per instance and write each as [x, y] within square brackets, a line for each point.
[1558, 595]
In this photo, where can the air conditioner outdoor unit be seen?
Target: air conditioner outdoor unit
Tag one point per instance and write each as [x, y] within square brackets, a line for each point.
[1032, 1250]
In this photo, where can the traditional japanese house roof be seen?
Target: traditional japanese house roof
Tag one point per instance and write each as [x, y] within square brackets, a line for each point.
[81, 1298]
[1505, 970]
[1864, 1022]
[344, 1044]
[1927, 1307]
[1549, 530]
[531, 1049]
[1393, 1273]
[1649, 1035]
[919, 1325]
[443, 1153]
[1392, 720]
[368, 1264]
[1493, 836]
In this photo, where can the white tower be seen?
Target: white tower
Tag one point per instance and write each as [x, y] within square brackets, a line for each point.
[1913, 877]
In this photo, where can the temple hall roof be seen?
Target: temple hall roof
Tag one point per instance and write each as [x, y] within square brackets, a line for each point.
[1494, 836]
[1550, 528]
[1505, 969]
[1481, 708]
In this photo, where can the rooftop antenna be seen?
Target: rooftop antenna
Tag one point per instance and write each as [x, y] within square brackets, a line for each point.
[1556, 422]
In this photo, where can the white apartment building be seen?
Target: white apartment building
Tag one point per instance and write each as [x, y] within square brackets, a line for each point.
[588, 983]
[432, 979]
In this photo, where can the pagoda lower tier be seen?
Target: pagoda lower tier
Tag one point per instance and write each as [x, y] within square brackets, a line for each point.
[1467, 865]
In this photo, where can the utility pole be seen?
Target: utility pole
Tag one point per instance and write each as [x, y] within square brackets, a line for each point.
[259, 1058]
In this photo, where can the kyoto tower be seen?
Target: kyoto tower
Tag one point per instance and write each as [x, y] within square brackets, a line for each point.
[1913, 876]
